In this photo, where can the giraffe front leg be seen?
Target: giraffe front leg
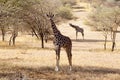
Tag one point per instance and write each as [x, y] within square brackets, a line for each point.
[57, 58]
[69, 54]
[57, 63]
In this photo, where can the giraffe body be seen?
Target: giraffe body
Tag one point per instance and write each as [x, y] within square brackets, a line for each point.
[61, 41]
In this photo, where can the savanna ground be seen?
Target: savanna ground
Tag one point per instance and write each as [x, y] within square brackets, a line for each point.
[90, 61]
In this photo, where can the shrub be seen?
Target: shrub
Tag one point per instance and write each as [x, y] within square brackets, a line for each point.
[65, 12]
[68, 2]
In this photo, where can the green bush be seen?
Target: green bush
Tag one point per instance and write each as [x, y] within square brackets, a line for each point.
[65, 12]
[68, 2]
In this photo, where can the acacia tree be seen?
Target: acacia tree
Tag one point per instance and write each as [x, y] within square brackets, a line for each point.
[4, 16]
[106, 19]
[8, 19]
[97, 20]
[36, 20]
[12, 21]
[2, 27]
[115, 21]
[14, 12]
[34, 14]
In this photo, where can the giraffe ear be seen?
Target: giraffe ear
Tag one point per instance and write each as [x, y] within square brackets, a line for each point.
[53, 15]
[47, 15]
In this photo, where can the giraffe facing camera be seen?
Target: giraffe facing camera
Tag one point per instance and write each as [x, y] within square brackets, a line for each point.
[50, 15]
[60, 41]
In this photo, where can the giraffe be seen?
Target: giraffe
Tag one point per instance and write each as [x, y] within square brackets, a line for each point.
[78, 29]
[60, 41]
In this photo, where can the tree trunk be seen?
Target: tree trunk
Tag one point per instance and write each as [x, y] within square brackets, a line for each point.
[105, 42]
[34, 32]
[10, 40]
[113, 46]
[42, 40]
[14, 37]
[113, 40]
[3, 34]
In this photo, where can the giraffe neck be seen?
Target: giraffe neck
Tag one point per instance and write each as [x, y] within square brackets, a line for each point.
[55, 30]
[73, 26]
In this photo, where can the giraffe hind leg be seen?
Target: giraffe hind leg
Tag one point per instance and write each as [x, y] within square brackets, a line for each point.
[83, 35]
[69, 55]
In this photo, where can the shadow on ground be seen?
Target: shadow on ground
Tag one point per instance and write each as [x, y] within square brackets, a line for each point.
[78, 73]
[89, 40]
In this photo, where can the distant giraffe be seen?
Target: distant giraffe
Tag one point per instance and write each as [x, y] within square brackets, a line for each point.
[60, 41]
[78, 29]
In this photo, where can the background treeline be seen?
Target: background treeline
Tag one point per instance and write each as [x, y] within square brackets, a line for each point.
[30, 16]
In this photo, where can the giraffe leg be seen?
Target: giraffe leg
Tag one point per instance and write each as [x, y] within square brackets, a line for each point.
[69, 54]
[57, 58]
[76, 35]
[83, 35]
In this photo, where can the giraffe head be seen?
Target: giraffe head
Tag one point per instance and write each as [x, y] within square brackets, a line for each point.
[50, 15]
[70, 24]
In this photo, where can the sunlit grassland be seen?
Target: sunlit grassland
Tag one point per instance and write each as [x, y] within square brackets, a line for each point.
[37, 63]
[90, 60]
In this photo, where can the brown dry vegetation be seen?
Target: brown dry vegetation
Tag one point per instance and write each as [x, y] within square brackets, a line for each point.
[90, 62]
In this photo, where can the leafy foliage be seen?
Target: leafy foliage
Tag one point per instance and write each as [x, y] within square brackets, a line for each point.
[65, 12]
[68, 2]
[105, 19]
[29, 15]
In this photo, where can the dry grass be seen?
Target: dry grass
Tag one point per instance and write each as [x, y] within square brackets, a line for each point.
[48, 73]
[90, 61]
[38, 64]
